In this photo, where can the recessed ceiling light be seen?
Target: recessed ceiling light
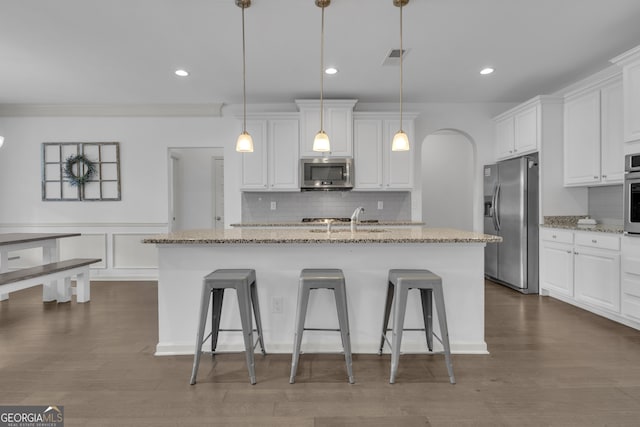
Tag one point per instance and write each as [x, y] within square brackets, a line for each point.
[182, 73]
[331, 70]
[487, 70]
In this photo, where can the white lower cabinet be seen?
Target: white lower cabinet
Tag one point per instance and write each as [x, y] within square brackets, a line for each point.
[583, 268]
[556, 261]
[630, 295]
[597, 277]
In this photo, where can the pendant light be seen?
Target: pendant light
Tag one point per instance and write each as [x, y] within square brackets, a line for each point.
[400, 139]
[244, 144]
[1, 140]
[321, 141]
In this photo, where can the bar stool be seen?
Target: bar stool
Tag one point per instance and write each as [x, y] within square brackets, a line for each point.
[430, 285]
[213, 286]
[328, 278]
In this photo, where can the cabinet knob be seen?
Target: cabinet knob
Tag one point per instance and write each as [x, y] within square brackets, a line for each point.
[604, 176]
[568, 252]
[595, 177]
[554, 236]
[594, 241]
[576, 253]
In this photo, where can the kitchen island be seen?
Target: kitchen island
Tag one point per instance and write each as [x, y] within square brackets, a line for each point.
[278, 255]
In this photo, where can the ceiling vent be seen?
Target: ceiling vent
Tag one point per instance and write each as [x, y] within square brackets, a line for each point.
[393, 57]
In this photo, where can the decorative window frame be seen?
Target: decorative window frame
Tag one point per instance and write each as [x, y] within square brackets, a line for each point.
[104, 185]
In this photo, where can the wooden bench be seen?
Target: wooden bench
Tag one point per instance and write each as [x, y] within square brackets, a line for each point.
[16, 280]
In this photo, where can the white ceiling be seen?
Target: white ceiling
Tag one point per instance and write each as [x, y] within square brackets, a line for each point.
[125, 51]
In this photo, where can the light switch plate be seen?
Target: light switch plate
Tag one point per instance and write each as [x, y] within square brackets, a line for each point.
[273, 206]
[380, 204]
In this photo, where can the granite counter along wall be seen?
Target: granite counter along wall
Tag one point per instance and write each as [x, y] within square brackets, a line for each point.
[293, 206]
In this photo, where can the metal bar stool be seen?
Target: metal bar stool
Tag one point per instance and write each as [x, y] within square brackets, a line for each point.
[321, 279]
[213, 286]
[430, 285]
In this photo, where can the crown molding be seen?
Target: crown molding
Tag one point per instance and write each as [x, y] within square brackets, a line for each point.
[111, 110]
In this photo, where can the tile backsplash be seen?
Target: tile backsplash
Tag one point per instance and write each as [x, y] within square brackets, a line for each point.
[605, 204]
[256, 207]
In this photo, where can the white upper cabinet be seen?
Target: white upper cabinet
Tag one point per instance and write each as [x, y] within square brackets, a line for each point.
[630, 62]
[254, 165]
[593, 147]
[338, 125]
[376, 166]
[274, 163]
[518, 130]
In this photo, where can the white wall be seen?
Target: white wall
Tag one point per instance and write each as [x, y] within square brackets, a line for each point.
[448, 181]
[144, 145]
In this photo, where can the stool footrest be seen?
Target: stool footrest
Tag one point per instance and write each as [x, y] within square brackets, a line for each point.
[321, 329]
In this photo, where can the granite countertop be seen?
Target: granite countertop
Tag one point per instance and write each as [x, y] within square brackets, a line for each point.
[301, 235]
[571, 223]
[335, 224]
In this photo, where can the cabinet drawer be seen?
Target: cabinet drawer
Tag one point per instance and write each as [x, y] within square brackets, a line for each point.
[556, 235]
[598, 240]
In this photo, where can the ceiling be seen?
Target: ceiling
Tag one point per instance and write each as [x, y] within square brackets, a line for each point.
[125, 51]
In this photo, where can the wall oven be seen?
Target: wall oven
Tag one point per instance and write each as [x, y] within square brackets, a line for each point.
[632, 194]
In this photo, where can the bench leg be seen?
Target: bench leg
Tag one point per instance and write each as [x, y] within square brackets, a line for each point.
[64, 290]
[50, 291]
[83, 286]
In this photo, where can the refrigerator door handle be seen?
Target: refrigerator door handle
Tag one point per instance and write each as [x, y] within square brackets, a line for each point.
[496, 208]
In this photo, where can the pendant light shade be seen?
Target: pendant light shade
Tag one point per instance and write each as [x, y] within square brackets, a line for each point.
[400, 142]
[244, 144]
[321, 141]
[400, 139]
[1, 140]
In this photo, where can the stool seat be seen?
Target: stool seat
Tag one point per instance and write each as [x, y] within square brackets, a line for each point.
[213, 286]
[323, 278]
[430, 286]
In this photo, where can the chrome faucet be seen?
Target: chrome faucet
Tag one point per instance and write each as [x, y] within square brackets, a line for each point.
[355, 217]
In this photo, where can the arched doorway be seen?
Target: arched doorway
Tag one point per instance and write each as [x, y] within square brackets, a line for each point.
[448, 180]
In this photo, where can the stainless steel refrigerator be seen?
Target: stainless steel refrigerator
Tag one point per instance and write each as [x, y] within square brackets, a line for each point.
[511, 211]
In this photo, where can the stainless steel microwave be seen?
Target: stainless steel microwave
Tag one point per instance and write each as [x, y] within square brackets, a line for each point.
[326, 173]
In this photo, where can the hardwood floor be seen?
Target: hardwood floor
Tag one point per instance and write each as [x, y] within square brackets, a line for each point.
[550, 364]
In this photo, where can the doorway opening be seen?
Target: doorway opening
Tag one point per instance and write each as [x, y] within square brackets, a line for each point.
[448, 180]
[196, 188]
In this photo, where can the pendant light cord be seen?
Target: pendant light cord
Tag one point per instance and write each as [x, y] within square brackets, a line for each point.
[321, 70]
[401, 61]
[244, 79]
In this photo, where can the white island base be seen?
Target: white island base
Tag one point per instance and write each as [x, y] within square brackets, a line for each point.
[278, 265]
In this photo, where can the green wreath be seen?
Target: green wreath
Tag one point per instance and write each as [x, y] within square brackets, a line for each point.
[75, 180]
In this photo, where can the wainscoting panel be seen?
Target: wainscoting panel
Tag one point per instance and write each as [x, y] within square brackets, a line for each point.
[130, 252]
[89, 245]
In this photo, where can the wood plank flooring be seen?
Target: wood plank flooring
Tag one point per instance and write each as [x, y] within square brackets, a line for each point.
[550, 364]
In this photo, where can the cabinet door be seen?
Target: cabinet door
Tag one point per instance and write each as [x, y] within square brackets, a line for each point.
[398, 165]
[556, 267]
[631, 81]
[309, 127]
[597, 278]
[283, 154]
[525, 128]
[337, 123]
[367, 135]
[504, 137]
[254, 165]
[612, 149]
[582, 139]
[340, 128]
